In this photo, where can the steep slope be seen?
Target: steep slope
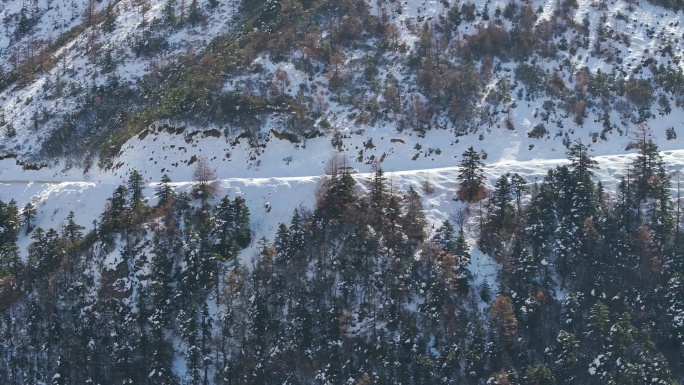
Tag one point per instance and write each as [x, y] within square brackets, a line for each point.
[82, 79]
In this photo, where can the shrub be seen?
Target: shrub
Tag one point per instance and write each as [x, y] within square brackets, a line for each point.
[670, 134]
[538, 131]
[639, 92]
[533, 77]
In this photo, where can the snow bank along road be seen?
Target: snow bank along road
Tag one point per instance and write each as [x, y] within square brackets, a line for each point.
[272, 199]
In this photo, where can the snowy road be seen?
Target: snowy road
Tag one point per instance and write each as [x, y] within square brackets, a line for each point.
[609, 166]
[271, 200]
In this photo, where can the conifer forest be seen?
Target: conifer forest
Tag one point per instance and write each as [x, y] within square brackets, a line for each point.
[358, 290]
[341, 192]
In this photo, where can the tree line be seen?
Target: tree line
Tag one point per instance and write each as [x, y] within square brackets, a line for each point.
[359, 289]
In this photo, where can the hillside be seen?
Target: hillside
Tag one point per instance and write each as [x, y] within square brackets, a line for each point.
[82, 79]
[362, 192]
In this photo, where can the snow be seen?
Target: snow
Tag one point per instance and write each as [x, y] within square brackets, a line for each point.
[272, 189]
[276, 176]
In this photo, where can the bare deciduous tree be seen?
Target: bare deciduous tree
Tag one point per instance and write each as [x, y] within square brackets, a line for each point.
[205, 177]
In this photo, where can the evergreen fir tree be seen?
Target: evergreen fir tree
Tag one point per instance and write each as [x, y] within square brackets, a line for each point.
[413, 221]
[164, 192]
[115, 214]
[29, 213]
[444, 237]
[225, 217]
[169, 12]
[135, 188]
[519, 187]
[462, 256]
[72, 231]
[500, 204]
[194, 13]
[471, 177]
[541, 219]
[378, 190]
[567, 356]
[241, 231]
[583, 199]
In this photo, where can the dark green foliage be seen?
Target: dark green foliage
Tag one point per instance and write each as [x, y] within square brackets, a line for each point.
[135, 188]
[164, 192]
[461, 255]
[9, 229]
[46, 252]
[640, 92]
[26, 22]
[501, 210]
[109, 22]
[28, 214]
[538, 131]
[195, 15]
[471, 177]
[116, 213]
[534, 79]
[232, 227]
[378, 190]
[358, 288]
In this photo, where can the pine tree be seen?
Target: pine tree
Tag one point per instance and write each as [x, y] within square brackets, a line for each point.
[520, 270]
[169, 13]
[651, 184]
[29, 213]
[476, 354]
[471, 177]
[109, 22]
[539, 374]
[462, 256]
[338, 195]
[583, 199]
[242, 233]
[599, 324]
[581, 163]
[648, 167]
[444, 237]
[46, 252]
[135, 188]
[378, 190]
[9, 222]
[72, 231]
[193, 353]
[205, 331]
[500, 204]
[115, 214]
[164, 192]
[519, 187]
[226, 246]
[567, 355]
[194, 13]
[413, 221]
[504, 321]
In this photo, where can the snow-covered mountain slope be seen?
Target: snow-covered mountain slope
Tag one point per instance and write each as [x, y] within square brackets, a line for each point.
[61, 58]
